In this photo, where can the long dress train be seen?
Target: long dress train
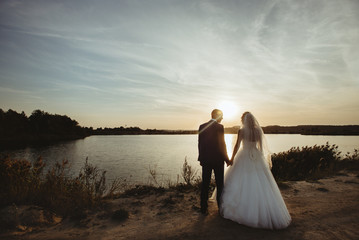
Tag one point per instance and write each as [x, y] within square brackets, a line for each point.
[251, 195]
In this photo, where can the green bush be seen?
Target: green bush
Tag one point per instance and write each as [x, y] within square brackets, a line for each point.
[306, 163]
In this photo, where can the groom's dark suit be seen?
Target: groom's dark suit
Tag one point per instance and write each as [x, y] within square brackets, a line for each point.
[212, 155]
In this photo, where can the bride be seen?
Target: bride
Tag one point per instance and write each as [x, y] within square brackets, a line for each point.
[251, 196]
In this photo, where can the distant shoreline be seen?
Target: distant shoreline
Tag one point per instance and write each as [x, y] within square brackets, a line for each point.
[28, 140]
[344, 130]
[41, 128]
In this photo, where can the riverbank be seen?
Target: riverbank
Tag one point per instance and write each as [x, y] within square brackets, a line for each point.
[323, 209]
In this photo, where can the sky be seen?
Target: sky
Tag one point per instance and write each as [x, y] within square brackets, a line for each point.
[166, 64]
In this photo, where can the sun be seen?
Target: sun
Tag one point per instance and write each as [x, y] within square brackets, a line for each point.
[229, 109]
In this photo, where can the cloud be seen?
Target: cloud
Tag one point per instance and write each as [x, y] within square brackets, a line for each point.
[181, 56]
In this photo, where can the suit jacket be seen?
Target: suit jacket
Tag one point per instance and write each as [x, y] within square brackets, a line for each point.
[211, 145]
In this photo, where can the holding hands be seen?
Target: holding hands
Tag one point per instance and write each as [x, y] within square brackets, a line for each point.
[229, 162]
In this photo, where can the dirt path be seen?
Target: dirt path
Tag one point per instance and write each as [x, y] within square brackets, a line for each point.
[326, 209]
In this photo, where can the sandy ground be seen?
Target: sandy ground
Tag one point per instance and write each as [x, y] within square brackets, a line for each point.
[324, 209]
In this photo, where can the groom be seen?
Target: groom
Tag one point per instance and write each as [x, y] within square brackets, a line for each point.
[212, 155]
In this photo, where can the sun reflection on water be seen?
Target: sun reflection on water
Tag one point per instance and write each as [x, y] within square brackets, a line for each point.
[230, 140]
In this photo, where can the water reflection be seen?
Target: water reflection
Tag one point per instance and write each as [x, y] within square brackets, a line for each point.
[230, 140]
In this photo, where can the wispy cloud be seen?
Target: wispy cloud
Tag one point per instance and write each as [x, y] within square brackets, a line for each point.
[170, 58]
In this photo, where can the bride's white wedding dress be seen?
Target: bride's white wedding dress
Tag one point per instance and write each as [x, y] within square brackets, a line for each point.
[251, 196]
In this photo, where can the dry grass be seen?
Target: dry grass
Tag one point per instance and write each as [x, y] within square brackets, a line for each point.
[23, 182]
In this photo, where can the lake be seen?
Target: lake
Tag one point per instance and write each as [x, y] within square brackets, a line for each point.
[132, 156]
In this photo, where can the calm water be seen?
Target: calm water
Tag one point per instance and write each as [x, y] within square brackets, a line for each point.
[132, 156]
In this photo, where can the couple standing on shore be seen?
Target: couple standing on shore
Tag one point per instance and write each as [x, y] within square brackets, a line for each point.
[247, 193]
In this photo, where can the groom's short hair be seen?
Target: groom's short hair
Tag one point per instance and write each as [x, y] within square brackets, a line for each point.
[216, 114]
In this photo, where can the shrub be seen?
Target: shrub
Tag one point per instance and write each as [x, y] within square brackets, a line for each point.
[351, 161]
[306, 162]
[188, 174]
[70, 195]
[22, 182]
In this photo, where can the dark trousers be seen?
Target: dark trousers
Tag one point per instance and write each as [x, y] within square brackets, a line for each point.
[206, 179]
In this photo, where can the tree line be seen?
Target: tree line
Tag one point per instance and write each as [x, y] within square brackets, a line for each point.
[17, 129]
[138, 131]
[344, 130]
[314, 129]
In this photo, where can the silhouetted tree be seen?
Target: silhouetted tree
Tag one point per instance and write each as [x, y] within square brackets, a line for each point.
[45, 123]
[13, 123]
[18, 129]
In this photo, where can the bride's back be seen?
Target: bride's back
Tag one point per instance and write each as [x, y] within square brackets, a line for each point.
[251, 134]
[251, 137]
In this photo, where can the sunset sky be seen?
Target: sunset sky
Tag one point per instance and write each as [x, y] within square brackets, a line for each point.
[166, 64]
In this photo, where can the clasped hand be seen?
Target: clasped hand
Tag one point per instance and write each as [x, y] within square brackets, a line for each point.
[229, 162]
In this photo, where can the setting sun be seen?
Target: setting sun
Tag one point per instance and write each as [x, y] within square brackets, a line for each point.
[229, 109]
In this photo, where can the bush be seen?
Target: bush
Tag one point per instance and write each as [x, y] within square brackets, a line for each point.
[306, 163]
[188, 174]
[23, 182]
[351, 161]
[73, 195]
[20, 181]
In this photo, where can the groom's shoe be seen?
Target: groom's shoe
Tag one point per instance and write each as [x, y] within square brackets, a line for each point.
[204, 211]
